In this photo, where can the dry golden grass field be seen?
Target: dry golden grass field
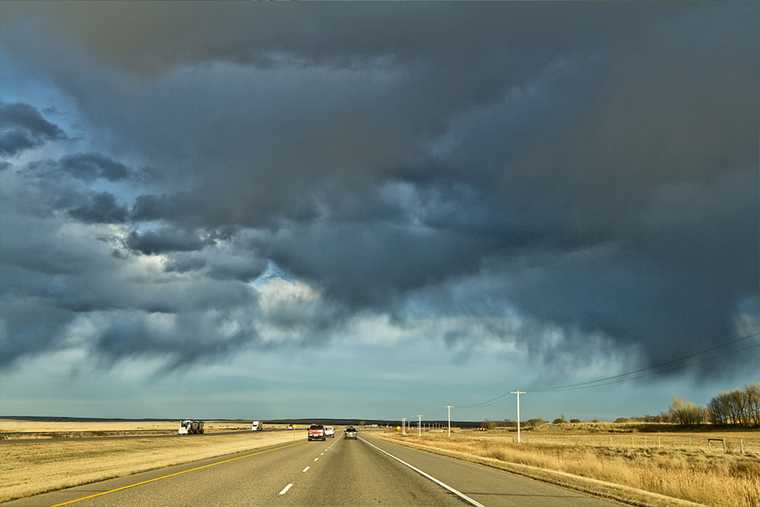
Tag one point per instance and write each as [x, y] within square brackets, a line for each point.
[35, 465]
[678, 464]
[12, 429]
[635, 436]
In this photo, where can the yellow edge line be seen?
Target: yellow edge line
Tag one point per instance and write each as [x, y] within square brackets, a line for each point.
[169, 476]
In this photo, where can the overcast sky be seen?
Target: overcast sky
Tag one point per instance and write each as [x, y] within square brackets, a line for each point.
[265, 211]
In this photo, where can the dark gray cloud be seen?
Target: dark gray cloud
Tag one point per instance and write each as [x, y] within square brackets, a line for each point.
[185, 263]
[86, 167]
[102, 209]
[179, 340]
[62, 287]
[592, 168]
[219, 263]
[240, 267]
[161, 36]
[22, 127]
[91, 166]
[167, 239]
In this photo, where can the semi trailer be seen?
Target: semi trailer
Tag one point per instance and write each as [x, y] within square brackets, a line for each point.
[190, 427]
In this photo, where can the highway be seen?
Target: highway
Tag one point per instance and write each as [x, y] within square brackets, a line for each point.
[338, 472]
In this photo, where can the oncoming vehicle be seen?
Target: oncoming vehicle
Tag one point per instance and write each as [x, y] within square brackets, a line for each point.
[190, 427]
[316, 432]
[257, 426]
[351, 432]
[329, 431]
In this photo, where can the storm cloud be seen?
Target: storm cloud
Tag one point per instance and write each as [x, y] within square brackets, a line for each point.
[585, 170]
[90, 166]
[101, 208]
[165, 240]
[22, 127]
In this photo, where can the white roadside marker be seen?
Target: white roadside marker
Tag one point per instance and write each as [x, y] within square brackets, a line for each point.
[442, 484]
[305, 469]
[286, 488]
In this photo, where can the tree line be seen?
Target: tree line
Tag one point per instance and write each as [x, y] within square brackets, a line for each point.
[740, 407]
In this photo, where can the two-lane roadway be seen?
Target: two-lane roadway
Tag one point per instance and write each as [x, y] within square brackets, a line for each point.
[338, 472]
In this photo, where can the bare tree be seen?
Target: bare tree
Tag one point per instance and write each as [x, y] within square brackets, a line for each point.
[753, 402]
[739, 407]
[686, 413]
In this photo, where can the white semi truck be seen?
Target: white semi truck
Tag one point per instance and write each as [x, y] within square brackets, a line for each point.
[257, 426]
[190, 427]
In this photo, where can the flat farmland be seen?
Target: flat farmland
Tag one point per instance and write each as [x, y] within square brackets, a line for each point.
[12, 429]
[709, 441]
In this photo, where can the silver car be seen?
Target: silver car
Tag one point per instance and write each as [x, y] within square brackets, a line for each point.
[351, 432]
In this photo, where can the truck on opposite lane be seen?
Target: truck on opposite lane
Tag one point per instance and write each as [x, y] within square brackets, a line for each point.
[190, 427]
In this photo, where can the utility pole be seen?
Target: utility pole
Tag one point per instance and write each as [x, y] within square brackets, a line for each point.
[518, 393]
[449, 410]
[419, 425]
[403, 425]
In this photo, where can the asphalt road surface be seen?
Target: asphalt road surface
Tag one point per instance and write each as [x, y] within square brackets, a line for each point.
[338, 472]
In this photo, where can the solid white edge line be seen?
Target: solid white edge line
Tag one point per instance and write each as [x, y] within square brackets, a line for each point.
[305, 469]
[286, 488]
[445, 486]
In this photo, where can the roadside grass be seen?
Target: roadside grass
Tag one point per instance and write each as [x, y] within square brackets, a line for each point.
[704, 476]
[29, 467]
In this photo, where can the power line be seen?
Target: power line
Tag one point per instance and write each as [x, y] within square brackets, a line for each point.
[641, 375]
[620, 378]
[484, 403]
[655, 368]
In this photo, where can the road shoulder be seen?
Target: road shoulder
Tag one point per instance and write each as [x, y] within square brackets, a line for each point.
[617, 492]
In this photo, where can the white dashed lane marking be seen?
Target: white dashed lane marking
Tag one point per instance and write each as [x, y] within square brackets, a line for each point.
[286, 488]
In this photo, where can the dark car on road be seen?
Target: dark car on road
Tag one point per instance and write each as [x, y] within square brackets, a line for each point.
[316, 432]
[351, 432]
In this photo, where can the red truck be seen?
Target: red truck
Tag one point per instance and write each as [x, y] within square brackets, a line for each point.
[316, 432]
